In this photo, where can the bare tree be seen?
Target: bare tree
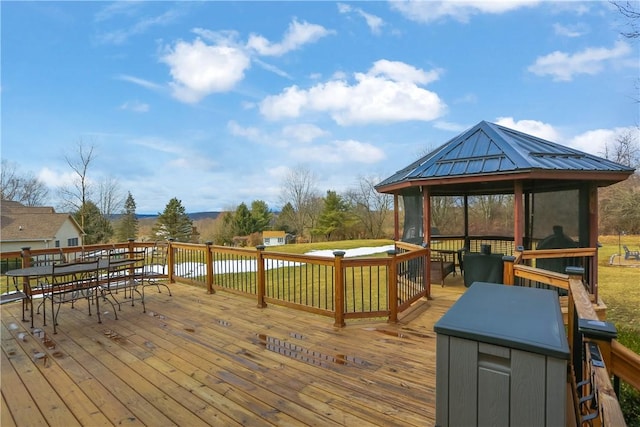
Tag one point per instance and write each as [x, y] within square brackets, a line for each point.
[299, 189]
[75, 197]
[369, 207]
[625, 149]
[631, 11]
[110, 197]
[21, 187]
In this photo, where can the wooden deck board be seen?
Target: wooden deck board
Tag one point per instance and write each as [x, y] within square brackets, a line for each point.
[199, 359]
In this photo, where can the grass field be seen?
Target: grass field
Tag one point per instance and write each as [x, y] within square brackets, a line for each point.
[619, 288]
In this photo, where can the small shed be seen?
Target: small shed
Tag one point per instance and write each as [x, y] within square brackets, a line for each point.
[273, 237]
[551, 185]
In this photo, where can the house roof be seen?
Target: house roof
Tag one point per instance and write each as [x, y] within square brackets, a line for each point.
[273, 233]
[29, 223]
[488, 152]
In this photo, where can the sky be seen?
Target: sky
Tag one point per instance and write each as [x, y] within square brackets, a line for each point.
[215, 103]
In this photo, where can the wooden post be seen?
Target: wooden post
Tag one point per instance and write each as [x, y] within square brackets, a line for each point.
[392, 286]
[210, 272]
[130, 245]
[467, 241]
[396, 218]
[508, 278]
[170, 261]
[426, 231]
[593, 238]
[518, 214]
[25, 253]
[339, 291]
[574, 337]
[260, 276]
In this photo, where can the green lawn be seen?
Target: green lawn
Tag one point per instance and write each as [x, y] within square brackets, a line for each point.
[619, 288]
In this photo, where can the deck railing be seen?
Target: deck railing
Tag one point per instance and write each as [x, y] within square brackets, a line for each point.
[345, 288]
[337, 287]
[596, 356]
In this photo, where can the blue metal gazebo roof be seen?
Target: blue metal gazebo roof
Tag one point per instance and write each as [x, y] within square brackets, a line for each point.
[490, 152]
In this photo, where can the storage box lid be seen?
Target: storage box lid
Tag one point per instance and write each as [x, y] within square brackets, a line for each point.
[527, 319]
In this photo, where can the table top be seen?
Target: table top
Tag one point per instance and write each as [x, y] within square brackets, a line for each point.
[70, 268]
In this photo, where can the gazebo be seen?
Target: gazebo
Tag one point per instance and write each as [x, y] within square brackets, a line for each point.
[554, 187]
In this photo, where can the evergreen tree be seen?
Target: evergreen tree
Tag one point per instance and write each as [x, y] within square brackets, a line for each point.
[173, 223]
[334, 216]
[261, 215]
[127, 227]
[243, 223]
[97, 228]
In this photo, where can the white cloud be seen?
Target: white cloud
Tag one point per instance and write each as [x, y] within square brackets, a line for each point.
[570, 30]
[563, 66]
[117, 9]
[374, 22]
[251, 133]
[595, 141]
[55, 179]
[298, 34]
[429, 11]
[347, 151]
[592, 141]
[199, 69]
[140, 82]
[135, 106]
[531, 127]
[303, 132]
[122, 35]
[388, 92]
[453, 127]
[158, 144]
[272, 68]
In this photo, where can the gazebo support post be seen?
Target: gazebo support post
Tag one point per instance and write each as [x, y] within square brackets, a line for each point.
[396, 217]
[467, 241]
[593, 236]
[426, 231]
[518, 214]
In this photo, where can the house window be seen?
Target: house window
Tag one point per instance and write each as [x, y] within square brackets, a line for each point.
[280, 240]
[72, 242]
[57, 243]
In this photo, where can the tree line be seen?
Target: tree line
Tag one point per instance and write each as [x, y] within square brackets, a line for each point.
[306, 214]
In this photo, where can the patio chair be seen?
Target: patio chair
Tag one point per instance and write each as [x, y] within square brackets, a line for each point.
[123, 274]
[69, 283]
[155, 273]
[440, 269]
[630, 254]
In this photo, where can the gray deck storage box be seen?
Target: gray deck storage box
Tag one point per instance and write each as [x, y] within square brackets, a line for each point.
[501, 359]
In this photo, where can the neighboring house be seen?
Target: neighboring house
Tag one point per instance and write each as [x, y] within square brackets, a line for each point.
[273, 238]
[36, 227]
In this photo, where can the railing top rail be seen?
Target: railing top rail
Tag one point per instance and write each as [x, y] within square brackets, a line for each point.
[558, 253]
[547, 277]
[608, 402]
[302, 258]
[581, 299]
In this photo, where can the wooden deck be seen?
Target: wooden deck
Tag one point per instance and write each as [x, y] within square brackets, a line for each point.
[198, 359]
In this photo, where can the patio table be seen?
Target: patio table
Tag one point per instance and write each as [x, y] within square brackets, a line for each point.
[47, 271]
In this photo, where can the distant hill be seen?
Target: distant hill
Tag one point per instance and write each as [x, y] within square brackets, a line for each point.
[194, 216]
[203, 215]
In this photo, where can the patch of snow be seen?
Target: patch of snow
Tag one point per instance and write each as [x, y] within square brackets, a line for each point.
[353, 252]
